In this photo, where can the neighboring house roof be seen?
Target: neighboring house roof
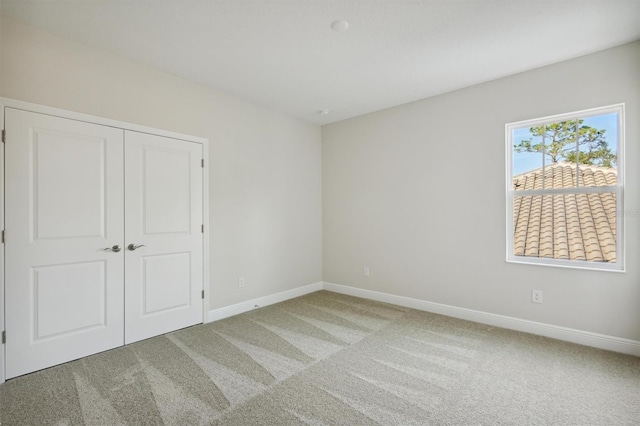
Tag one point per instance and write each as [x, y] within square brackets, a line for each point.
[566, 226]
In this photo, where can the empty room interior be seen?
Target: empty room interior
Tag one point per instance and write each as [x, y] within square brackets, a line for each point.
[320, 212]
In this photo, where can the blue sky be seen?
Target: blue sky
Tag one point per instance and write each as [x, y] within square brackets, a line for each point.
[525, 161]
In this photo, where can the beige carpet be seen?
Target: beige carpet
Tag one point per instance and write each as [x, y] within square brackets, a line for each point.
[329, 359]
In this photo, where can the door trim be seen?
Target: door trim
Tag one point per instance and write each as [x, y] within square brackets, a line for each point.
[2, 269]
[78, 116]
[62, 113]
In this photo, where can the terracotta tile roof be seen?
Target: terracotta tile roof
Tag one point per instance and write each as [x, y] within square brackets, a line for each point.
[566, 226]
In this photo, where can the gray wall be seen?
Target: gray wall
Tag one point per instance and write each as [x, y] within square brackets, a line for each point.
[265, 183]
[417, 194]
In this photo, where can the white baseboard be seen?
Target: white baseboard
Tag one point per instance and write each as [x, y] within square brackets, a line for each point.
[601, 341]
[229, 311]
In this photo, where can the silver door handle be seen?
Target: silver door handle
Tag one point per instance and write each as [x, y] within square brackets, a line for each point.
[115, 248]
[132, 246]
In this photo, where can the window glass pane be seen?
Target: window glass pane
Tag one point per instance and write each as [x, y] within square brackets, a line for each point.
[598, 150]
[527, 160]
[560, 148]
[578, 227]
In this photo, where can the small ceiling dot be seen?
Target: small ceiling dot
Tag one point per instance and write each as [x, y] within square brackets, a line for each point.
[340, 26]
[323, 112]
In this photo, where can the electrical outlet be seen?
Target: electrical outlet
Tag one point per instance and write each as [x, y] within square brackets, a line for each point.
[241, 282]
[536, 296]
[365, 271]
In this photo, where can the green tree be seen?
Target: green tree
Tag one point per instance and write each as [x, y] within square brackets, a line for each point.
[560, 143]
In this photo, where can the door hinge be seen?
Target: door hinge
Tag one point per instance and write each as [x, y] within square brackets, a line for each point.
[203, 294]
[4, 135]
[4, 336]
[3, 236]
[202, 163]
[202, 228]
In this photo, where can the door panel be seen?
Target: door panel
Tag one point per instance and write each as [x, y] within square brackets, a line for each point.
[68, 188]
[58, 289]
[166, 191]
[163, 197]
[166, 284]
[64, 198]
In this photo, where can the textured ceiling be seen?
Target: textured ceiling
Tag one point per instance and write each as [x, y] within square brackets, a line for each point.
[283, 53]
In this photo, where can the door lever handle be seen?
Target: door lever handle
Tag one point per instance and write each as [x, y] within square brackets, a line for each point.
[132, 246]
[115, 248]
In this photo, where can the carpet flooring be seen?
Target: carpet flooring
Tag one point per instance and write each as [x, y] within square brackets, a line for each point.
[330, 359]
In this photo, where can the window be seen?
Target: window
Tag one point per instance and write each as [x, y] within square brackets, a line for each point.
[565, 186]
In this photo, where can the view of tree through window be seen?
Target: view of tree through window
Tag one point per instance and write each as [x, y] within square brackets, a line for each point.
[564, 190]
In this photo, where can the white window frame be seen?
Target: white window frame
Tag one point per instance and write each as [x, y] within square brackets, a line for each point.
[619, 265]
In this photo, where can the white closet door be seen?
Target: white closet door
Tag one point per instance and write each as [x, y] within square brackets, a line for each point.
[163, 204]
[64, 204]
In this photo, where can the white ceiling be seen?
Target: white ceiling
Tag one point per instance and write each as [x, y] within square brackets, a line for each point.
[283, 53]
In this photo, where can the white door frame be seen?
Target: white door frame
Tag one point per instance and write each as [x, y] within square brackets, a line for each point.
[2, 269]
[27, 106]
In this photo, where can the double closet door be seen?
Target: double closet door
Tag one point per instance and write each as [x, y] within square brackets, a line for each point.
[103, 238]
